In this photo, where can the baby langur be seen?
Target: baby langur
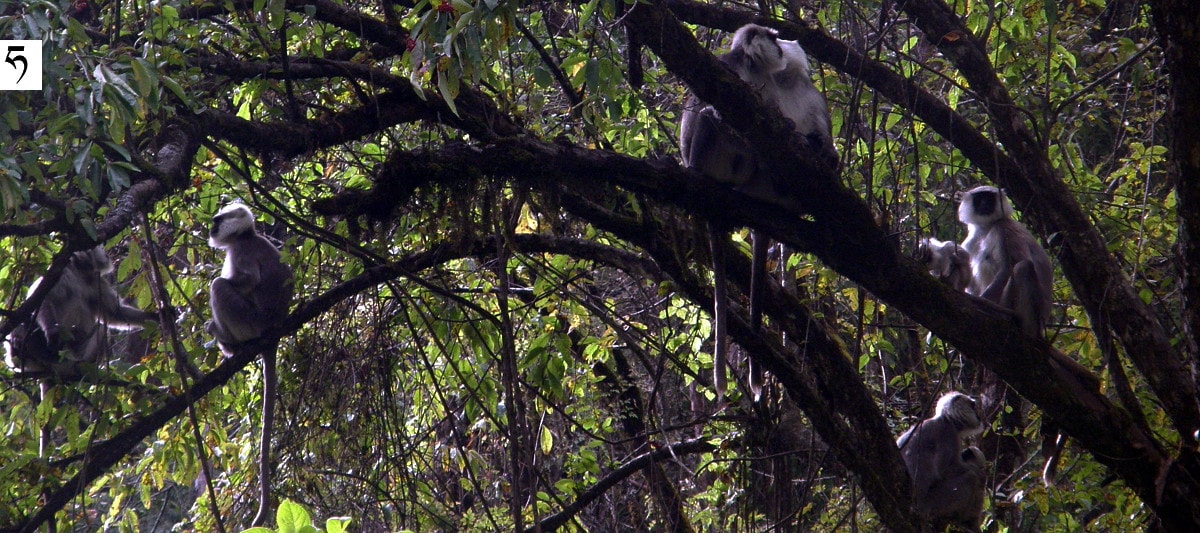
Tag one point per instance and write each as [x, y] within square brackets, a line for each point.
[778, 71]
[947, 478]
[252, 294]
[1008, 266]
[946, 261]
[74, 316]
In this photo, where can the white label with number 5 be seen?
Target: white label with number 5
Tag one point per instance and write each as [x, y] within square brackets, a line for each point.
[20, 65]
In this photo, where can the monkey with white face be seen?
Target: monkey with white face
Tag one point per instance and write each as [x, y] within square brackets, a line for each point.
[947, 478]
[252, 294]
[1008, 266]
[778, 71]
[74, 317]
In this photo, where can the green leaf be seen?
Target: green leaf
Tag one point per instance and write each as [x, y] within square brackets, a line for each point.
[143, 76]
[546, 441]
[291, 517]
[337, 525]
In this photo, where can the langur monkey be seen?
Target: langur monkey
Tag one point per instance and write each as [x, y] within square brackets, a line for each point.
[1008, 266]
[947, 261]
[778, 71]
[74, 317]
[251, 295]
[947, 478]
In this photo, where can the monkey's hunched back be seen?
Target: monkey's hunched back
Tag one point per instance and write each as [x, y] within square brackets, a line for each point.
[276, 285]
[778, 70]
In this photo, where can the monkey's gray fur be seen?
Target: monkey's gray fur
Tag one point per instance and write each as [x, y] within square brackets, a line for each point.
[74, 316]
[251, 295]
[947, 478]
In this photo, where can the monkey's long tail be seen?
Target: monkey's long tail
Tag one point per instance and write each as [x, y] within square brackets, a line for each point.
[758, 277]
[720, 307]
[268, 422]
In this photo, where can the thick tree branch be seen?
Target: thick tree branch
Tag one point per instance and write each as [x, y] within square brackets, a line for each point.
[477, 117]
[1176, 24]
[354, 21]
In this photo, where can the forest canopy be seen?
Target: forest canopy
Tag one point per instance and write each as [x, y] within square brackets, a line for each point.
[504, 275]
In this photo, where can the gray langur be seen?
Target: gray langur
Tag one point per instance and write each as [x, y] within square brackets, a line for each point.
[778, 71]
[251, 295]
[1008, 266]
[75, 315]
[947, 478]
[946, 261]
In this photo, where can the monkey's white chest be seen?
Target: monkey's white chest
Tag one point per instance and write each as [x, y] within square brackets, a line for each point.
[987, 256]
[227, 268]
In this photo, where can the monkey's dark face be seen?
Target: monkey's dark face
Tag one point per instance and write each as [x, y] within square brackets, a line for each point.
[228, 223]
[93, 260]
[985, 203]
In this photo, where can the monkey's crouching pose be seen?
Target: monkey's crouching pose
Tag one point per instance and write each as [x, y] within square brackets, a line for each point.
[947, 478]
[252, 294]
[778, 71]
[74, 316]
[1008, 266]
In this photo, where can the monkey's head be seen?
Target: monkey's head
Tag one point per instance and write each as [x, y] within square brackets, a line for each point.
[230, 222]
[959, 409]
[93, 260]
[984, 205]
[758, 44]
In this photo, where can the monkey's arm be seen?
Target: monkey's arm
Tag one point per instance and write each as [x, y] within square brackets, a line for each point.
[245, 274]
[113, 312]
[708, 145]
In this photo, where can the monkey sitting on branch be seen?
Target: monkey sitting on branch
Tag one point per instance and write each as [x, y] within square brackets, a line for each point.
[947, 478]
[251, 295]
[778, 71]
